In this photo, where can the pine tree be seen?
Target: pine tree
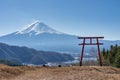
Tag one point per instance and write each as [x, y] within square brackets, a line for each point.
[112, 57]
[111, 46]
[104, 52]
[117, 60]
[112, 54]
[106, 55]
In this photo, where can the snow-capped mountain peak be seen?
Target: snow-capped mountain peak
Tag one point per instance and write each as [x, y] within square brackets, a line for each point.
[37, 27]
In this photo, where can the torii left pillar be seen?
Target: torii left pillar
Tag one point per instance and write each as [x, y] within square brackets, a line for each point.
[91, 43]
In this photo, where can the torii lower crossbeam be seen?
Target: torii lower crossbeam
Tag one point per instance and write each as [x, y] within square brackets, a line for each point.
[90, 43]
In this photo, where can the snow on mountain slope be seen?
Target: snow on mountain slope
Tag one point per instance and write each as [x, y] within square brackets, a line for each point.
[36, 28]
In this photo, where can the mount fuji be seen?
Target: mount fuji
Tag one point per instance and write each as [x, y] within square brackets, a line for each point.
[42, 37]
[37, 28]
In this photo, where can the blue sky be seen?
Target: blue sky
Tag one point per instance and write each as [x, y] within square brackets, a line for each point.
[77, 17]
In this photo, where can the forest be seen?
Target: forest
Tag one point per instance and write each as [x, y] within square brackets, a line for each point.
[111, 57]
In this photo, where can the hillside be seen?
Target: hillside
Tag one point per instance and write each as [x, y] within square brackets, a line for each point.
[31, 56]
[59, 73]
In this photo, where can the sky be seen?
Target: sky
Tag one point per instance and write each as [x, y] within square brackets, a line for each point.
[77, 17]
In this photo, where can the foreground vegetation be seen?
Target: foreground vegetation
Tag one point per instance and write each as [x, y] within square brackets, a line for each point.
[10, 62]
[111, 57]
[10, 72]
[59, 73]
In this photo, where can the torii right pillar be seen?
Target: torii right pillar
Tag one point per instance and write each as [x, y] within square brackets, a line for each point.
[91, 43]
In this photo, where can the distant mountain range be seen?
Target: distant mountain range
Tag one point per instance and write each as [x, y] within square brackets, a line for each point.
[31, 56]
[42, 37]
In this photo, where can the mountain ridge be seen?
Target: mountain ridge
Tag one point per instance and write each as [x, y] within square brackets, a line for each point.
[30, 55]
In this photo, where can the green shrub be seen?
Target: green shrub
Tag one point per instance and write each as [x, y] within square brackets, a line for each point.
[10, 62]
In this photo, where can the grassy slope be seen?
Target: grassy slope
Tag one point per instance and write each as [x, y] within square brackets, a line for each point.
[7, 72]
[62, 73]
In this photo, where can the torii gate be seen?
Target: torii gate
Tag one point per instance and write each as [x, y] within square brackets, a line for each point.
[91, 43]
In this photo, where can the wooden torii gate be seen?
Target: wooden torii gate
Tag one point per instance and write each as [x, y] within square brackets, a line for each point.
[90, 43]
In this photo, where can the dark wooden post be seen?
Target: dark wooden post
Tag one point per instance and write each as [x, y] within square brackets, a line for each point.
[100, 60]
[82, 52]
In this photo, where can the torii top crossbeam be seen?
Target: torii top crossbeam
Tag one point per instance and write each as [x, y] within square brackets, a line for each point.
[89, 37]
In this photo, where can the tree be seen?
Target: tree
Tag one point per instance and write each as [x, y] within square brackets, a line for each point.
[111, 46]
[117, 60]
[112, 56]
[104, 52]
[106, 55]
